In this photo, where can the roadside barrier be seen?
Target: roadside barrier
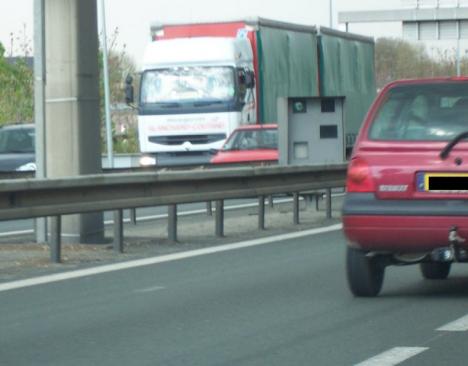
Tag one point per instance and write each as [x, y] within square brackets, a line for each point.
[31, 198]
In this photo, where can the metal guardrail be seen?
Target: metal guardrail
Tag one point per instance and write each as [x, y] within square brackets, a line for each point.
[30, 198]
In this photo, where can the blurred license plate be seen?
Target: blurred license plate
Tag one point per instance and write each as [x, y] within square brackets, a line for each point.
[446, 182]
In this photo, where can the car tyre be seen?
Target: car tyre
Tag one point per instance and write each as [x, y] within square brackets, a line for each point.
[435, 270]
[365, 274]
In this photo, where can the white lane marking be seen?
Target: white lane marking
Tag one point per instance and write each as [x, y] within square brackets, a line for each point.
[13, 233]
[166, 258]
[150, 289]
[459, 325]
[393, 356]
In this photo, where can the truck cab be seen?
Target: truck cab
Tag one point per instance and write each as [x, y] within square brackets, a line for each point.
[193, 93]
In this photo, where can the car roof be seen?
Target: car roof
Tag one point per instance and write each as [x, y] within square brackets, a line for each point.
[426, 81]
[17, 126]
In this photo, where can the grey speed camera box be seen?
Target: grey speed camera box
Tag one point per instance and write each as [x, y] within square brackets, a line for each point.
[311, 130]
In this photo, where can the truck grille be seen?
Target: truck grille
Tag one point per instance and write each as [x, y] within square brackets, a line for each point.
[193, 139]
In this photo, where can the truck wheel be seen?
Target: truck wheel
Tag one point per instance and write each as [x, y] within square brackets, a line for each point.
[435, 270]
[365, 274]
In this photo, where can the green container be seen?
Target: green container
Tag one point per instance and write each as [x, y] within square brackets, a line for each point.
[347, 70]
[287, 63]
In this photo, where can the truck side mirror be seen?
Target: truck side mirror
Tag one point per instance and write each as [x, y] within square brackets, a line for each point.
[249, 79]
[241, 77]
[129, 90]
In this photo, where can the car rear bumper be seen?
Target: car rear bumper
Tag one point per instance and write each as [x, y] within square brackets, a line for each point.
[402, 225]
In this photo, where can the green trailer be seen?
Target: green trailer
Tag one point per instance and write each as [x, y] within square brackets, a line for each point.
[346, 64]
[206, 66]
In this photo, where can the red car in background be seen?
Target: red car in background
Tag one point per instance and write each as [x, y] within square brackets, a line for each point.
[407, 187]
[250, 144]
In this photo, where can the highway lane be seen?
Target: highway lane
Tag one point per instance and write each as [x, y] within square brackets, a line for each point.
[283, 303]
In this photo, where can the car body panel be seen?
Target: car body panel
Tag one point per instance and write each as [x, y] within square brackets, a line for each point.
[233, 157]
[11, 162]
[402, 233]
[398, 213]
[247, 155]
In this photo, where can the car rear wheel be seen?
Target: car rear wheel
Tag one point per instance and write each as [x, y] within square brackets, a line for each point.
[365, 274]
[435, 270]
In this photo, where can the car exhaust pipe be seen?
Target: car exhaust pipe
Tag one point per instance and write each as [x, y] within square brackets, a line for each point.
[454, 238]
[453, 252]
[446, 254]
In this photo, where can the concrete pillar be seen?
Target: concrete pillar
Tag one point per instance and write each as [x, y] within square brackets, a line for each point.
[73, 143]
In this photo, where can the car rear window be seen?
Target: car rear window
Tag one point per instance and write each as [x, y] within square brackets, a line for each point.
[422, 112]
[251, 139]
[16, 140]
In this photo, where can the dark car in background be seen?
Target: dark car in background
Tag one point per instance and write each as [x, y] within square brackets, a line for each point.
[257, 144]
[407, 186]
[17, 148]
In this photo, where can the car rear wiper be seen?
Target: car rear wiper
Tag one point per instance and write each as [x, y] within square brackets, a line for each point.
[446, 150]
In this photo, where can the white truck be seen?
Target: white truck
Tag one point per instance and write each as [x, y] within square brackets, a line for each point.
[194, 92]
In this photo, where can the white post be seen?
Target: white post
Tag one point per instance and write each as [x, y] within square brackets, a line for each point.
[331, 13]
[110, 145]
[39, 106]
[458, 48]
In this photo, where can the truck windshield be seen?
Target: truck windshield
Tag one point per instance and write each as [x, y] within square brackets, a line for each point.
[188, 85]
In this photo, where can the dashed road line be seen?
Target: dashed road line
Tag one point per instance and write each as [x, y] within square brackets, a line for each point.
[393, 356]
[150, 289]
[459, 325]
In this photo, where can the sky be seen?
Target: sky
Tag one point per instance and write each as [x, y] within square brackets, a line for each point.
[133, 18]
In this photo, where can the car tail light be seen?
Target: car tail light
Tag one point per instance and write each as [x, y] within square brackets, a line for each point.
[359, 177]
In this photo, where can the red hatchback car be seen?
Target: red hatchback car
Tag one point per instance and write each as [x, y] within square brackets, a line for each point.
[256, 144]
[407, 183]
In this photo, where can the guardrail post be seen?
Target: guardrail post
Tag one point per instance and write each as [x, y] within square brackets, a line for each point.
[261, 213]
[219, 218]
[329, 203]
[270, 200]
[209, 208]
[296, 208]
[118, 231]
[133, 217]
[318, 196]
[56, 239]
[172, 223]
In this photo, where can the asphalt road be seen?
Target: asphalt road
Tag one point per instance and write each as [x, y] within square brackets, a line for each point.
[282, 303]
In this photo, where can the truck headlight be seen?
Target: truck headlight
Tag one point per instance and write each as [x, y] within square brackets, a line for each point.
[147, 161]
